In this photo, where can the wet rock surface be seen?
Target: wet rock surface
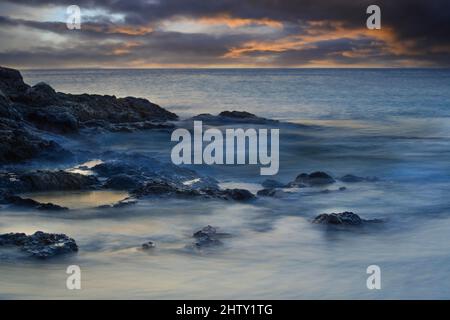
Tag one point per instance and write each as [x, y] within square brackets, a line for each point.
[148, 245]
[317, 178]
[40, 245]
[30, 203]
[208, 237]
[343, 218]
[270, 192]
[42, 180]
[233, 117]
[25, 111]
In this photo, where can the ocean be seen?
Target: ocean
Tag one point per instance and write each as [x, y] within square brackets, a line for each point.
[392, 124]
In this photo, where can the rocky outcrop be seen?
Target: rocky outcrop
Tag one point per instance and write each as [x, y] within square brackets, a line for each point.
[25, 111]
[208, 237]
[30, 203]
[18, 145]
[270, 192]
[40, 245]
[41, 180]
[148, 245]
[317, 178]
[343, 218]
[123, 181]
[11, 83]
[232, 117]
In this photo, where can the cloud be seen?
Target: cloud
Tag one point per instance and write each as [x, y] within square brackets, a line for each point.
[235, 33]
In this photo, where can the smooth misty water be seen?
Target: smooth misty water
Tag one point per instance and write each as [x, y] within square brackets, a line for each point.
[393, 124]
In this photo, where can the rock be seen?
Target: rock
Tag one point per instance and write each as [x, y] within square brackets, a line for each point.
[18, 145]
[317, 178]
[55, 180]
[164, 188]
[238, 194]
[270, 193]
[58, 112]
[238, 114]
[111, 168]
[122, 182]
[233, 117]
[205, 232]
[349, 178]
[32, 204]
[6, 109]
[40, 95]
[11, 83]
[57, 120]
[343, 218]
[270, 184]
[208, 236]
[148, 245]
[40, 245]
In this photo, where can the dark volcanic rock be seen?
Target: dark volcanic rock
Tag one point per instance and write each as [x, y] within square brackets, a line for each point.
[148, 245]
[56, 119]
[267, 192]
[343, 218]
[23, 109]
[114, 110]
[11, 83]
[159, 187]
[164, 188]
[122, 182]
[317, 178]
[238, 194]
[207, 237]
[7, 110]
[40, 95]
[58, 112]
[40, 245]
[46, 181]
[32, 204]
[233, 117]
[18, 145]
[56, 180]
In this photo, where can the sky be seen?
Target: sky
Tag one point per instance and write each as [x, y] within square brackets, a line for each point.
[224, 34]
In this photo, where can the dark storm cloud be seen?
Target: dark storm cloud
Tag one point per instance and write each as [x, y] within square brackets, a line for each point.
[417, 30]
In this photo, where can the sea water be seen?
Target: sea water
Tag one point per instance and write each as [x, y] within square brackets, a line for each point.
[389, 123]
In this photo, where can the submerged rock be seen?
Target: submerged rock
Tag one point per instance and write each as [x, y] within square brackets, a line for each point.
[237, 194]
[343, 218]
[317, 178]
[208, 236]
[233, 117]
[270, 192]
[148, 245]
[40, 245]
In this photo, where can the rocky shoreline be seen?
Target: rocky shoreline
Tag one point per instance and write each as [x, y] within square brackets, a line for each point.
[30, 114]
